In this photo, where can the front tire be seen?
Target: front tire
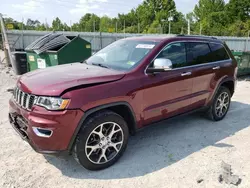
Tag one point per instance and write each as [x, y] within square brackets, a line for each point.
[221, 104]
[101, 141]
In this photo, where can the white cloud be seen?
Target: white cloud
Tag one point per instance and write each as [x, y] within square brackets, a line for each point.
[104, 14]
[92, 1]
[85, 6]
[30, 6]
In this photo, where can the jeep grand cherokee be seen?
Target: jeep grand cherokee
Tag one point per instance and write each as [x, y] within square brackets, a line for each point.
[89, 109]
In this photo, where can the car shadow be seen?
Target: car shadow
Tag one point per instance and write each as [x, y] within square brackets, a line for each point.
[163, 144]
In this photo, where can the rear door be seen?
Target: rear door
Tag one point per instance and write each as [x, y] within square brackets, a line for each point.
[208, 61]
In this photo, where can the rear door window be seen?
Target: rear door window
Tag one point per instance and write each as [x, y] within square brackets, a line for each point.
[198, 53]
[219, 53]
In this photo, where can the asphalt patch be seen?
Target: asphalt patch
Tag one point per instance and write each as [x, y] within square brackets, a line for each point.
[227, 175]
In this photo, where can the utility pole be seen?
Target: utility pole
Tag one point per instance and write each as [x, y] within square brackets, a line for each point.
[138, 27]
[124, 28]
[22, 35]
[188, 27]
[70, 23]
[94, 35]
[247, 41]
[5, 42]
[46, 25]
[116, 27]
[169, 27]
[169, 20]
[200, 28]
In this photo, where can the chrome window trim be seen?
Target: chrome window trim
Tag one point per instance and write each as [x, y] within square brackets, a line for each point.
[186, 41]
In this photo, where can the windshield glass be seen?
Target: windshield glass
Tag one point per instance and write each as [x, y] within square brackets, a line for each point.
[122, 55]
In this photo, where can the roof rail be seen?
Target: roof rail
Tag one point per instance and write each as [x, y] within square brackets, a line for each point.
[201, 36]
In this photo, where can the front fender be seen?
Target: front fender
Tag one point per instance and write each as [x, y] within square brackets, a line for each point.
[99, 108]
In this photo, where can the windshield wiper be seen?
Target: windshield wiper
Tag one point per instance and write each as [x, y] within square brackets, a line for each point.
[100, 65]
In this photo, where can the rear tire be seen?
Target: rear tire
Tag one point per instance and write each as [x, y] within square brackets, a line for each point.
[101, 141]
[220, 105]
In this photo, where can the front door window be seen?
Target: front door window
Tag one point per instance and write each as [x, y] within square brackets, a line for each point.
[176, 53]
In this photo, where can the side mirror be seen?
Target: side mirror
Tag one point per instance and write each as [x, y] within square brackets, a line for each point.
[160, 65]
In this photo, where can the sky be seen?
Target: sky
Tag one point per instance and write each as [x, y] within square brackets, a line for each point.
[70, 11]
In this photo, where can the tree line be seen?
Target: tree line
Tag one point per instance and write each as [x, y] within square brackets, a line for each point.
[209, 17]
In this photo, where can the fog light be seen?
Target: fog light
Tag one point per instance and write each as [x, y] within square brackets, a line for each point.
[41, 132]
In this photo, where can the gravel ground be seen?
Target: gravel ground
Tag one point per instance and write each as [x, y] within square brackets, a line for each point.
[176, 153]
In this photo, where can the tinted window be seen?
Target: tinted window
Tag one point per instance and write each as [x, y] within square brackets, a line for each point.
[198, 53]
[218, 52]
[176, 53]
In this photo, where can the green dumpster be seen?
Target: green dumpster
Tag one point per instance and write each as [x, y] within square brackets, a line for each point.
[57, 49]
[243, 59]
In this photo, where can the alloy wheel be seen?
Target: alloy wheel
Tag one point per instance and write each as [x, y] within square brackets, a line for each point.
[222, 104]
[104, 142]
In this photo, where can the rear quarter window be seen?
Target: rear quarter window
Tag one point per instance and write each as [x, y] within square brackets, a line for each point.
[219, 53]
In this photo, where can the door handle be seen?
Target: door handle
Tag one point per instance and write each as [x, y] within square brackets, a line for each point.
[216, 68]
[186, 74]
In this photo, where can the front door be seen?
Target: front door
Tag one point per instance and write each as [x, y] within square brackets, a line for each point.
[168, 93]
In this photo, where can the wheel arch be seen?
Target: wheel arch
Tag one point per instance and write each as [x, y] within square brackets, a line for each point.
[116, 107]
[227, 82]
[230, 85]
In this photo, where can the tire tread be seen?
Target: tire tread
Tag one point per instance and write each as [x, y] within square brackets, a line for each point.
[90, 124]
[210, 112]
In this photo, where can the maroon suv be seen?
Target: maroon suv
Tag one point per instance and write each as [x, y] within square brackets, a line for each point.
[89, 109]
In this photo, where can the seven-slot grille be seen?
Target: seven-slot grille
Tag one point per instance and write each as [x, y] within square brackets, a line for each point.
[25, 100]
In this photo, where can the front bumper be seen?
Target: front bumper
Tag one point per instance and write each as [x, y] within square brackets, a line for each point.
[62, 125]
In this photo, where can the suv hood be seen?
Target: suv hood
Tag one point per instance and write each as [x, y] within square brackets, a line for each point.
[54, 80]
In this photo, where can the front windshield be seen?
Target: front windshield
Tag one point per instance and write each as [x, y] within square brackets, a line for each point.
[122, 55]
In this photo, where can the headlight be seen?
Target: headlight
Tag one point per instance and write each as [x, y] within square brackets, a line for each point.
[52, 103]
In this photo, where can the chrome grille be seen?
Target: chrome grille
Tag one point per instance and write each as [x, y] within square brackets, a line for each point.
[23, 99]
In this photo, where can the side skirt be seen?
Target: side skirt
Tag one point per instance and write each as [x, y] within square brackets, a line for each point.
[174, 117]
